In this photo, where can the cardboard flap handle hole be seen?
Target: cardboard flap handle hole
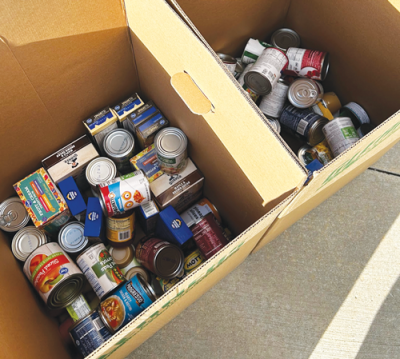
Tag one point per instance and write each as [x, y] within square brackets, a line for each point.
[191, 94]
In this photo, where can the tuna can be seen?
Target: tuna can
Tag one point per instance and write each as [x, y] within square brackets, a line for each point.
[54, 275]
[340, 134]
[26, 240]
[253, 50]
[273, 104]
[304, 93]
[304, 122]
[89, 333]
[307, 63]
[120, 230]
[124, 258]
[138, 270]
[162, 258]
[229, 61]
[79, 308]
[266, 72]
[171, 149]
[126, 303]
[71, 238]
[100, 170]
[124, 193]
[13, 215]
[304, 155]
[275, 124]
[208, 236]
[356, 113]
[283, 39]
[119, 146]
[197, 212]
[100, 269]
[331, 102]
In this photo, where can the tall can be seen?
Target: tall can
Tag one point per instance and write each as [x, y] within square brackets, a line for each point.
[253, 50]
[71, 238]
[285, 38]
[340, 134]
[197, 212]
[304, 93]
[120, 229]
[266, 72]
[26, 240]
[119, 145]
[100, 170]
[13, 215]
[273, 104]
[251, 93]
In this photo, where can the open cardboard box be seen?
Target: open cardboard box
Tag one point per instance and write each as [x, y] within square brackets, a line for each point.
[360, 37]
[60, 62]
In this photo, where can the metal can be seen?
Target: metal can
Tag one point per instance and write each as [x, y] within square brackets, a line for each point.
[364, 129]
[89, 333]
[331, 102]
[171, 149]
[138, 270]
[124, 258]
[124, 193]
[285, 38]
[304, 156]
[239, 67]
[193, 261]
[119, 145]
[340, 134]
[229, 61]
[197, 212]
[307, 63]
[79, 308]
[266, 72]
[304, 93]
[120, 230]
[275, 124]
[356, 113]
[162, 258]
[208, 236]
[321, 152]
[71, 238]
[13, 215]
[251, 93]
[322, 110]
[304, 122]
[100, 269]
[100, 170]
[272, 104]
[253, 50]
[54, 275]
[126, 303]
[26, 240]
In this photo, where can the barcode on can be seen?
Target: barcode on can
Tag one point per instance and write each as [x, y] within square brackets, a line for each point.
[301, 127]
[98, 324]
[149, 209]
[122, 236]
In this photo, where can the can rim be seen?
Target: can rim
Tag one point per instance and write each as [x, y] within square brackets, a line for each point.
[61, 240]
[300, 153]
[91, 246]
[285, 30]
[143, 269]
[147, 288]
[113, 170]
[80, 278]
[226, 58]
[179, 134]
[303, 84]
[318, 125]
[22, 224]
[179, 267]
[104, 320]
[107, 148]
[325, 66]
[112, 249]
[18, 237]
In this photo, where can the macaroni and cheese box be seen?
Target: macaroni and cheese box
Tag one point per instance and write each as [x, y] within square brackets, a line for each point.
[148, 163]
[123, 109]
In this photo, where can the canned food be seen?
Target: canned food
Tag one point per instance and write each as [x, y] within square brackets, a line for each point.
[304, 93]
[160, 257]
[138, 270]
[120, 229]
[321, 152]
[304, 122]
[239, 67]
[71, 238]
[26, 240]
[229, 61]
[54, 275]
[356, 113]
[251, 93]
[197, 212]
[275, 124]
[13, 215]
[124, 258]
[171, 149]
[124, 193]
[89, 333]
[320, 109]
[273, 104]
[193, 261]
[283, 39]
[307, 63]
[340, 134]
[304, 155]
[365, 129]
[167, 284]
[100, 170]
[253, 50]
[126, 303]
[100, 269]
[79, 308]
[119, 146]
[331, 102]
[266, 72]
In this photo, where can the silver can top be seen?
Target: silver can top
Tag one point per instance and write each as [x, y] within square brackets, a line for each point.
[170, 142]
[303, 93]
[71, 238]
[100, 170]
[275, 124]
[118, 143]
[285, 38]
[13, 215]
[26, 241]
[301, 154]
[228, 59]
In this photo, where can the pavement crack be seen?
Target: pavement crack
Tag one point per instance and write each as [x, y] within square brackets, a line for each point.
[385, 172]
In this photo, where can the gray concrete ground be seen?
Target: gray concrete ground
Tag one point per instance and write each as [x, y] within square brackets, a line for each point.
[328, 287]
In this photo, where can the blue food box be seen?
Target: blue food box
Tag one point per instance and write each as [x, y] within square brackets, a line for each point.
[126, 107]
[94, 218]
[141, 114]
[72, 196]
[146, 131]
[148, 216]
[171, 227]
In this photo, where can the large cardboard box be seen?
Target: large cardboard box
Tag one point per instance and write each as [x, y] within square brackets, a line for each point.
[364, 68]
[62, 61]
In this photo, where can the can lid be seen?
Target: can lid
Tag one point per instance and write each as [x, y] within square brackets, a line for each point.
[285, 38]
[118, 143]
[357, 112]
[122, 256]
[26, 240]
[147, 288]
[169, 261]
[325, 66]
[303, 93]
[170, 142]
[302, 154]
[275, 124]
[226, 58]
[100, 170]
[71, 238]
[257, 83]
[66, 292]
[13, 215]
[315, 134]
[138, 270]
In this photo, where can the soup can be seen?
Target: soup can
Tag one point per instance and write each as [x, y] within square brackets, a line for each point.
[340, 134]
[126, 302]
[13, 215]
[273, 104]
[285, 38]
[321, 152]
[253, 50]
[120, 229]
[197, 212]
[307, 63]
[304, 122]
[54, 275]
[266, 72]
[162, 258]
[251, 93]
[100, 170]
[71, 238]
[89, 333]
[229, 61]
[304, 93]
[119, 146]
[25, 241]
[79, 308]
[356, 113]
[100, 269]
[171, 149]
[124, 193]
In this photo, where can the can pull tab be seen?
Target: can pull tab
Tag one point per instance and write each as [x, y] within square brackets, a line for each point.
[8, 218]
[191, 94]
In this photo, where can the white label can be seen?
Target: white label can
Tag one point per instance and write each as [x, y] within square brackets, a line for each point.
[273, 104]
